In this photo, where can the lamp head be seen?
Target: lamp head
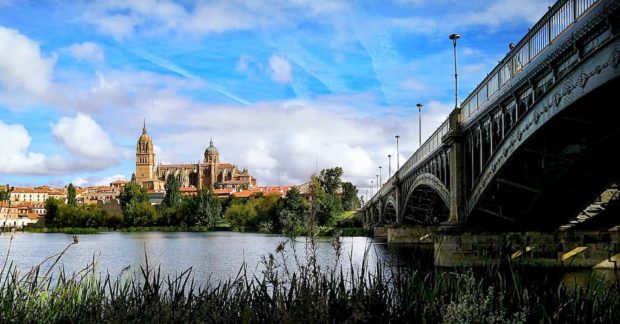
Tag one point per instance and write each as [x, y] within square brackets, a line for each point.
[419, 106]
[454, 37]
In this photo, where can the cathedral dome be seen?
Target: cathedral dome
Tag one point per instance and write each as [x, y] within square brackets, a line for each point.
[144, 137]
[211, 150]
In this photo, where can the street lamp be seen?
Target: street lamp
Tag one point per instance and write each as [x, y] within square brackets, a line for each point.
[389, 166]
[377, 183]
[454, 37]
[397, 154]
[419, 124]
[372, 186]
[380, 177]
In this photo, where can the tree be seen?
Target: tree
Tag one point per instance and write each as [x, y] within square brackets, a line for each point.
[349, 196]
[330, 179]
[132, 195]
[205, 209]
[326, 204]
[71, 195]
[173, 195]
[52, 206]
[5, 194]
[292, 211]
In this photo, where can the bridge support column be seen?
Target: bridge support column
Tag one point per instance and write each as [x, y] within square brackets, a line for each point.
[457, 169]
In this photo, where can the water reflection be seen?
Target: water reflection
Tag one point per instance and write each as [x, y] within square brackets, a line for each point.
[220, 255]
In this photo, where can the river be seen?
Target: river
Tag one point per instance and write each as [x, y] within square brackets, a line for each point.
[217, 256]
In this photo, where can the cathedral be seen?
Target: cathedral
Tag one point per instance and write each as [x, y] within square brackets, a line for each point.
[209, 173]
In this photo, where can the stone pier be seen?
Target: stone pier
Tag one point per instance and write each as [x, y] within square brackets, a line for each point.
[381, 232]
[577, 249]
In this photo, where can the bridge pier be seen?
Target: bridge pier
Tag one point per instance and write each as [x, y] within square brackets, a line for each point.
[583, 249]
[456, 247]
[457, 173]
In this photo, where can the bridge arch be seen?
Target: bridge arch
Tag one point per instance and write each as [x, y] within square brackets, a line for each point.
[427, 201]
[390, 211]
[540, 172]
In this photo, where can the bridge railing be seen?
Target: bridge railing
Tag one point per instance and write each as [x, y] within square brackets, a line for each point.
[429, 146]
[560, 17]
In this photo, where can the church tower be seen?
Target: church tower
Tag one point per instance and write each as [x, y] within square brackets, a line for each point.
[145, 158]
[212, 159]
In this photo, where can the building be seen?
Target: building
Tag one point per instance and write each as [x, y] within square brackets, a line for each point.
[211, 172]
[19, 215]
[37, 195]
[97, 194]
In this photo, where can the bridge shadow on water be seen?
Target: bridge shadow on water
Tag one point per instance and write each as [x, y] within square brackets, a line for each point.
[420, 258]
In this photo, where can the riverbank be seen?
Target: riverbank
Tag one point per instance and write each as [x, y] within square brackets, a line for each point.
[311, 294]
[323, 231]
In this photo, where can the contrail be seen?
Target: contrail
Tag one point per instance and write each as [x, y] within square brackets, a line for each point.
[184, 73]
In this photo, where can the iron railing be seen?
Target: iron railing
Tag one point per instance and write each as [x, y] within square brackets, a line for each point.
[560, 17]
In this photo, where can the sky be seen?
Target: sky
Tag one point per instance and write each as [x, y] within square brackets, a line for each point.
[284, 88]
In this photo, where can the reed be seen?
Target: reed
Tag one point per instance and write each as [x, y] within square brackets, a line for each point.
[299, 290]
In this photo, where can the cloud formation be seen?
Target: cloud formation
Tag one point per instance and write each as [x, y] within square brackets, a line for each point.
[15, 157]
[280, 69]
[22, 66]
[84, 138]
[87, 51]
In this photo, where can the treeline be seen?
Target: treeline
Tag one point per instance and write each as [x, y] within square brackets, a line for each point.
[330, 198]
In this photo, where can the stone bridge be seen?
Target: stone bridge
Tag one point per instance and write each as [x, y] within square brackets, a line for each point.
[533, 145]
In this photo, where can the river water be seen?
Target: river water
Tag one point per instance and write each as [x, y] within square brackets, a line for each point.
[217, 256]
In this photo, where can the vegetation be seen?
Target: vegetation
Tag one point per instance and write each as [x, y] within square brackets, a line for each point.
[307, 294]
[71, 195]
[331, 201]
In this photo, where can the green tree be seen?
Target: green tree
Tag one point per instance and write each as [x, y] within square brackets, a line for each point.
[330, 179]
[205, 209]
[173, 195]
[132, 195]
[349, 197]
[241, 214]
[5, 194]
[325, 204]
[52, 206]
[71, 195]
[291, 212]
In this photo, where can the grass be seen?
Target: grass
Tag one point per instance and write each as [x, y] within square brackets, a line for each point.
[292, 291]
[67, 230]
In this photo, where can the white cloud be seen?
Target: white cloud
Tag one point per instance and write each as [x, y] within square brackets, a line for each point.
[22, 66]
[97, 181]
[280, 69]
[505, 11]
[15, 157]
[291, 138]
[122, 19]
[87, 51]
[83, 137]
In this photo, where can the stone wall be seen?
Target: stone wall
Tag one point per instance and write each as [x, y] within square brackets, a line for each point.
[589, 249]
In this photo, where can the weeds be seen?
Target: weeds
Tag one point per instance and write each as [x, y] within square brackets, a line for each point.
[291, 291]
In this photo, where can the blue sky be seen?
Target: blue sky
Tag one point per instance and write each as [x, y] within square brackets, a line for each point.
[281, 86]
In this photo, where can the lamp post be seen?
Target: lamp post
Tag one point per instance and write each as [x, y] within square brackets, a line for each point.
[454, 37]
[377, 183]
[397, 154]
[380, 178]
[389, 166]
[419, 124]
[372, 186]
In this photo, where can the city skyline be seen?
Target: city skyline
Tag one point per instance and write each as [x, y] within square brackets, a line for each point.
[284, 88]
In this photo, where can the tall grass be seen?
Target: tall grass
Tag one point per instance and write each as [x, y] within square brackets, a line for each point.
[292, 291]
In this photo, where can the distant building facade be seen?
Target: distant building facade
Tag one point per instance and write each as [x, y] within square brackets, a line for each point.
[209, 173]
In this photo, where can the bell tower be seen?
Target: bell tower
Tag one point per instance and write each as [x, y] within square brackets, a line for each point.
[145, 157]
